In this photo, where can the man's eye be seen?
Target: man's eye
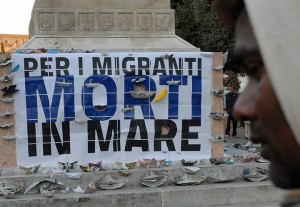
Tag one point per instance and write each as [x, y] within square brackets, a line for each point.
[254, 70]
[254, 65]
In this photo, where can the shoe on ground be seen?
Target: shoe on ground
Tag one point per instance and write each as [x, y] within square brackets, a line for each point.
[248, 144]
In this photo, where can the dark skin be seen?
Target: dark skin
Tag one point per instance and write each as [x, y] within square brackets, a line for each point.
[258, 103]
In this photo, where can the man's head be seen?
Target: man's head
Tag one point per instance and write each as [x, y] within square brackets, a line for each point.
[231, 89]
[259, 102]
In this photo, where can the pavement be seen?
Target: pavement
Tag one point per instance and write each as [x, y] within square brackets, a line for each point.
[241, 136]
[233, 146]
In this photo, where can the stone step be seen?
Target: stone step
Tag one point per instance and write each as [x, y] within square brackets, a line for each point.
[263, 204]
[133, 194]
[87, 177]
[242, 194]
[237, 193]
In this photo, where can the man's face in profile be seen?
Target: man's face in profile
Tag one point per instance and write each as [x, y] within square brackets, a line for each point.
[258, 103]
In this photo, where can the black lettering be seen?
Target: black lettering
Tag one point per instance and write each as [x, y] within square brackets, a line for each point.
[46, 139]
[30, 64]
[44, 66]
[102, 69]
[190, 62]
[173, 65]
[187, 135]
[113, 128]
[143, 65]
[164, 137]
[80, 66]
[125, 68]
[143, 142]
[199, 66]
[31, 139]
[159, 66]
[63, 64]
[117, 64]
[63, 147]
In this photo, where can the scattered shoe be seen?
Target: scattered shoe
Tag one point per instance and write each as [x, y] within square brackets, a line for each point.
[248, 144]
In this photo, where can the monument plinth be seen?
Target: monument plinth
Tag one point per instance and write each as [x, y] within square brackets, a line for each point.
[110, 25]
[103, 4]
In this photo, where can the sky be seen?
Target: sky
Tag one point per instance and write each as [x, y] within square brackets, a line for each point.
[15, 16]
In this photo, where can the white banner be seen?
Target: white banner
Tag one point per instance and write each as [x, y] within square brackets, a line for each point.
[112, 107]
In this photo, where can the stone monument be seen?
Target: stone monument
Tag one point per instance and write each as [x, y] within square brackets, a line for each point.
[105, 25]
[115, 26]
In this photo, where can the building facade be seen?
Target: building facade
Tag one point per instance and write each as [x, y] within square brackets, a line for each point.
[13, 41]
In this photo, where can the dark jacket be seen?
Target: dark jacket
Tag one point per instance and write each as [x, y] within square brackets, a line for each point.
[230, 99]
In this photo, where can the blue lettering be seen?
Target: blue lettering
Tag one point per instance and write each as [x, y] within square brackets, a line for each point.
[196, 97]
[97, 112]
[173, 93]
[35, 86]
[148, 85]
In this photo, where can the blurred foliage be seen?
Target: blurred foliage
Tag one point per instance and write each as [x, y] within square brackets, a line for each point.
[232, 80]
[197, 23]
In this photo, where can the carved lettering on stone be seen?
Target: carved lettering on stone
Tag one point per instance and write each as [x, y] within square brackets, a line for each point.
[125, 22]
[86, 22]
[144, 22]
[106, 21]
[47, 22]
[66, 21]
[163, 22]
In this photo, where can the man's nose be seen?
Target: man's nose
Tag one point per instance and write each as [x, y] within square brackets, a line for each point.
[244, 108]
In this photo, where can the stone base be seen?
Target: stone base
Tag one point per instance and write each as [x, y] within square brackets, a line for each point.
[171, 43]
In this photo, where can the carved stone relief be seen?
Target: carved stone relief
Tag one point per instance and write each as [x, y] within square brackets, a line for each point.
[46, 21]
[163, 22]
[86, 22]
[66, 21]
[106, 21]
[125, 22]
[144, 22]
